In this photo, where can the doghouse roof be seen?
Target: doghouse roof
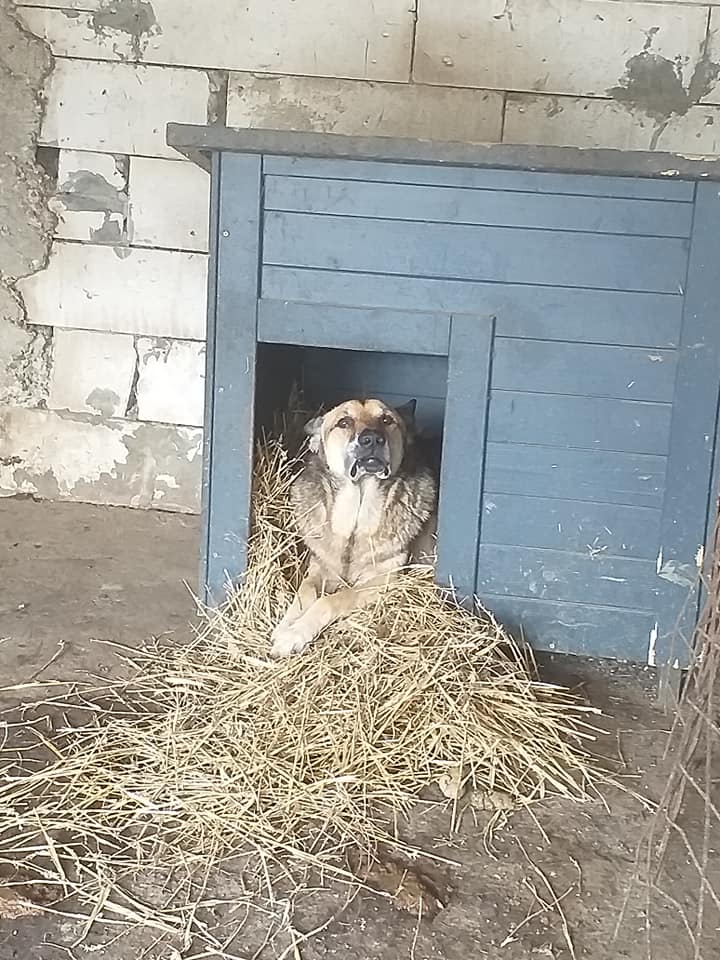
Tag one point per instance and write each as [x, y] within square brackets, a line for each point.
[198, 143]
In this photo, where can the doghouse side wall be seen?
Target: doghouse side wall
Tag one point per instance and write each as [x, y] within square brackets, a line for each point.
[590, 520]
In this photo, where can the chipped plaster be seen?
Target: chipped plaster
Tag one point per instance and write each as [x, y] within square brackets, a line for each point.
[656, 85]
[93, 204]
[134, 18]
[87, 190]
[59, 455]
[26, 223]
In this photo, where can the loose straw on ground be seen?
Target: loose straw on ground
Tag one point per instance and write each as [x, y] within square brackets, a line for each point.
[211, 748]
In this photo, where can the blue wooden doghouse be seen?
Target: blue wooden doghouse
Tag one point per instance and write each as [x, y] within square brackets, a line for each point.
[555, 312]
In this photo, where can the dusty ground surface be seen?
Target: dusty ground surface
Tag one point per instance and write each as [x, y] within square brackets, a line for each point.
[75, 575]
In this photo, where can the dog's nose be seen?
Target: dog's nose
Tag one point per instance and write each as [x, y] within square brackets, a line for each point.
[370, 439]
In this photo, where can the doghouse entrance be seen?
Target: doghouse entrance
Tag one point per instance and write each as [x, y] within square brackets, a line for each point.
[330, 376]
[326, 376]
[439, 359]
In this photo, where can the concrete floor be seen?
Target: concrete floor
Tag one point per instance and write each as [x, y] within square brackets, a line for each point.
[76, 575]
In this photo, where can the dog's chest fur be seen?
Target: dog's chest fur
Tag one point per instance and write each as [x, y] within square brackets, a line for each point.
[357, 510]
[354, 528]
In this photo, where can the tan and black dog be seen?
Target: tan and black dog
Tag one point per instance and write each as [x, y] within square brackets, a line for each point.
[365, 505]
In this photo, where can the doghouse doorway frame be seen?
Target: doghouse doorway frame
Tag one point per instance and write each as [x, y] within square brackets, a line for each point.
[458, 337]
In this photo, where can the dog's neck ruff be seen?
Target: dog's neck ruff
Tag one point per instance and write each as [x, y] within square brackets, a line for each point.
[358, 508]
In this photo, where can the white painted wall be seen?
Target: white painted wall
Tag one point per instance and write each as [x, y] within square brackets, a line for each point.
[124, 290]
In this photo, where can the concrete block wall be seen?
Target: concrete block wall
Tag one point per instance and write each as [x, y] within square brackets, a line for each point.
[119, 303]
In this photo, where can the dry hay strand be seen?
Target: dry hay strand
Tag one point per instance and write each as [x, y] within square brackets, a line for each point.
[211, 748]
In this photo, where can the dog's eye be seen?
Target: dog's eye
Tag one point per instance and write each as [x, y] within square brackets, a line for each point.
[387, 419]
[344, 422]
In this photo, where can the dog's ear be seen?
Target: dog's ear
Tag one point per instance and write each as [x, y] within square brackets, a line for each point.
[407, 412]
[313, 430]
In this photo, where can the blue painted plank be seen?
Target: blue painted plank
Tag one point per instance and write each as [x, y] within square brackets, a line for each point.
[564, 184]
[209, 401]
[352, 328]
[576, 525]
[463, 453]
[580, 629]
[378, 373]
[650, 320]
[599, 475]
[693, 433]
[586, 422]
[231, 372]
[590, 370]
[475, 253]
[506, 208]
[563, 576]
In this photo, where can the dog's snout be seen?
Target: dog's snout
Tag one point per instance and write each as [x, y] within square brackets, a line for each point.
[370, 439]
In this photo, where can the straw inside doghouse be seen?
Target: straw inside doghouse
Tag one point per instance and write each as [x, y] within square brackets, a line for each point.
[211, 747]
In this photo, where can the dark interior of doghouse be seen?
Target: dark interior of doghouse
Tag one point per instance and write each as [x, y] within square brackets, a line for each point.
[325, 377]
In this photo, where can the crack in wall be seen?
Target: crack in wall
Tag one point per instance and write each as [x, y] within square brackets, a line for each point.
[131, 410]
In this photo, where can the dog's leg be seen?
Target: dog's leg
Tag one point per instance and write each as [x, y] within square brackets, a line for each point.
[308, 592]
[294, 638]
[424, 549]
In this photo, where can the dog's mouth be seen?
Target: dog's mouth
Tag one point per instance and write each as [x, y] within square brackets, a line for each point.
[369, 467]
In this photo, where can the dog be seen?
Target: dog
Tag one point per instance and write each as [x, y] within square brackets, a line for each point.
[365, 504]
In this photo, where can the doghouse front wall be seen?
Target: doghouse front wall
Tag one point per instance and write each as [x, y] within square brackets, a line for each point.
[602, 401]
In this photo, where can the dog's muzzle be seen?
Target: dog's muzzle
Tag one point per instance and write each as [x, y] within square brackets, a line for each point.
[370, 456]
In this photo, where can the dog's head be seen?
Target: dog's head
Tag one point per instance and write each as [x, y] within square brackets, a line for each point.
[363, 438]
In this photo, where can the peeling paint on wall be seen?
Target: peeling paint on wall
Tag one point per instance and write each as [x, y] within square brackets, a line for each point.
[86, 190]
[56, 455]
[655, 85]
[110, 231]
[135, 18]
[91, 199]
[104, 401]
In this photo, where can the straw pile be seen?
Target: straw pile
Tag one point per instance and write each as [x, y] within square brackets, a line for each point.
[211, 748]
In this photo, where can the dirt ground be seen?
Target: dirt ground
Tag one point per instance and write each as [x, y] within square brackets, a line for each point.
[74, 575]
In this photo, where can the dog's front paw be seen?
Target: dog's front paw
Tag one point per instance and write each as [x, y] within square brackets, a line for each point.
[288, 639]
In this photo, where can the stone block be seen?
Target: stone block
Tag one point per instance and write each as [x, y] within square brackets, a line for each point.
[120, 290]
[574, 47]
[363, 108]
[74, 457]
[366, 38]
[92, 372]
[171, 381]
[120, 107]
[169, 204]
[584, 122]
